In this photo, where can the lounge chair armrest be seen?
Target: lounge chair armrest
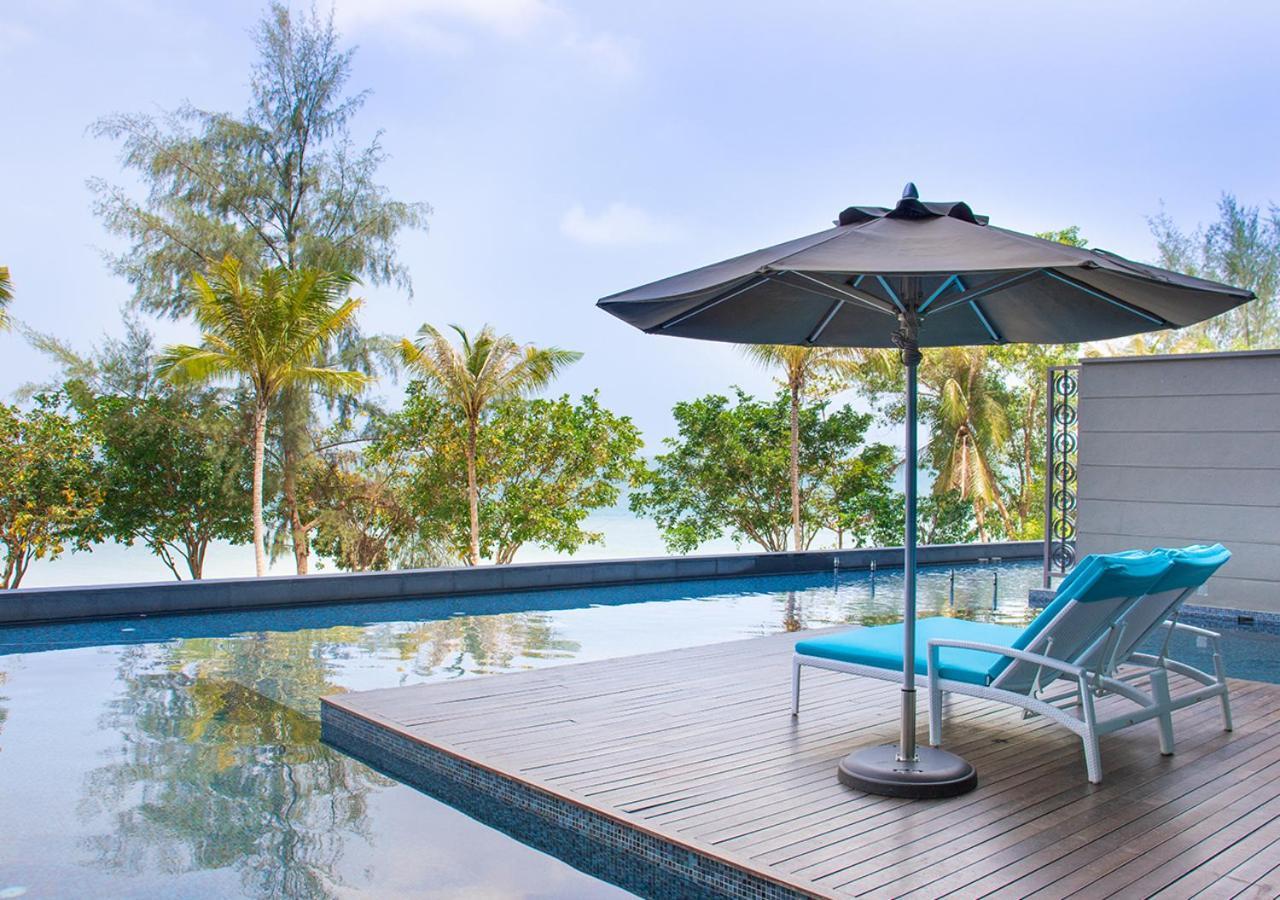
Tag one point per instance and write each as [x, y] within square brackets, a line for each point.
[1035, 658]
[1191, 629]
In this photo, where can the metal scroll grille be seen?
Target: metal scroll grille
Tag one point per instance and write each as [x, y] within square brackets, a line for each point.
[1061, 446]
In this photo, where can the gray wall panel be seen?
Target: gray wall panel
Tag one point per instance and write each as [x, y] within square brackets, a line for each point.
[1224, 450]
[1233, 413]
[1211, 374]
[1159, 484]
[1178, 450]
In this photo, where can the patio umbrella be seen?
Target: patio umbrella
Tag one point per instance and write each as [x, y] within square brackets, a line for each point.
[915, 276]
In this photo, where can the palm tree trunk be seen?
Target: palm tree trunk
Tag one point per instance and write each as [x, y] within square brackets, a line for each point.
[295, 410]
[795, 466]
[259, 460]
[473, 492]
[300, 539]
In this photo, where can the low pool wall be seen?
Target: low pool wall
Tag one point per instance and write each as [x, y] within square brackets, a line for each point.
[48, 604]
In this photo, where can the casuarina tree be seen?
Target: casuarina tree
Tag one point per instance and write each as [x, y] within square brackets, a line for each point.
[282, 183]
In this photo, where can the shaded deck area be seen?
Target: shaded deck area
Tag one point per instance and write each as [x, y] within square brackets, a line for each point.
[689, 761]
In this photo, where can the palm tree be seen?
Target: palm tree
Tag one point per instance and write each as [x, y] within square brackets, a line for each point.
[6, 294]
[971, 428]
[800, 366]
[477, 372]
[968, 425]
[269, 331]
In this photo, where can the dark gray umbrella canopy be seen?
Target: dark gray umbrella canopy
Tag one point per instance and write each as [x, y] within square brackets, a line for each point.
[971, 282]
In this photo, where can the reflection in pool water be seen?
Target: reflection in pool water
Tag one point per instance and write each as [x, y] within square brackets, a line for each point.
[180, 756]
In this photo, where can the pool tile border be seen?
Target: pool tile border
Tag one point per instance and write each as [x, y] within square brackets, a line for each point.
[607, 846]
[28, 606]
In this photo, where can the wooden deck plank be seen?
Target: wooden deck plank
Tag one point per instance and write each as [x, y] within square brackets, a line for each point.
[1030, 834]
[697, 746]
[1097, 820]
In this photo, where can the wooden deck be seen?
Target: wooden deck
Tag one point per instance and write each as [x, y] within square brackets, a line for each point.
[696, 747]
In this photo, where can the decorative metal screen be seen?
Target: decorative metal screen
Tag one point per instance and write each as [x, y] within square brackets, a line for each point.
[1061, 445]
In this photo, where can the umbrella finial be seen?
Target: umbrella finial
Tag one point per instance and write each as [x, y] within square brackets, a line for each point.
[909, 192]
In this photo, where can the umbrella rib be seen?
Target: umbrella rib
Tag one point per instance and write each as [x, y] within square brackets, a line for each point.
[975, 293]
[1113, 300]
[826, 320]
[986, 323]
[685, 316]
[940, 290]
[892, 296]
[871, 301]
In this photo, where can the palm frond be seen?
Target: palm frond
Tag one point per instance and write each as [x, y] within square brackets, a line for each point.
[6, 296]
[481, 368]
[274, 329]
[329, 381]
[186, 364]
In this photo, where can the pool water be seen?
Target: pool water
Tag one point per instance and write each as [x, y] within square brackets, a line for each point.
[180, 756]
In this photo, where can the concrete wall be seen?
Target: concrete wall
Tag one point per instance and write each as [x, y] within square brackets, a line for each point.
[1186, 449]
[27, 605]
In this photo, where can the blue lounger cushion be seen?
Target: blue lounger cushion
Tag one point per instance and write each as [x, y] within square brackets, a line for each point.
[881, 647]
[1192, 565]
[1098, 577]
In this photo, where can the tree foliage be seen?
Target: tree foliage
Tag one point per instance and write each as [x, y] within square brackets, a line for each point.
[176, 471]
[542, 465]
[272, 332]
[362, 518]
[945, 518]
[727, 470]
[473, 375]
[853, 493]
[50, 486]
[1023, 383]
[1241, 248]
[281, 184]
[174, 462]
[804, 370]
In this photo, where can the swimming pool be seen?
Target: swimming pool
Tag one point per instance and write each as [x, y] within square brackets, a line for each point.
[180, 756]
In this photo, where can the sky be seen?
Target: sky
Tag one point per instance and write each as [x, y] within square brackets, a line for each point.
[573, 150]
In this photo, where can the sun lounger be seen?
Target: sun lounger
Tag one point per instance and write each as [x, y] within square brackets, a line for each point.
[1018, 665]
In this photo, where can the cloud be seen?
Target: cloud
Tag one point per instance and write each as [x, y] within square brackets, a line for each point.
[507, 17]
[605, 52]
[12, 34]
[451, 26]
[617, 225]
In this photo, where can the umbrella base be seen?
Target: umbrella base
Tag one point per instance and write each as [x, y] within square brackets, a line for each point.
[934, 775]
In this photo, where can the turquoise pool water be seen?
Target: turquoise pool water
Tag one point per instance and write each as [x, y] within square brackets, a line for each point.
[180, 756]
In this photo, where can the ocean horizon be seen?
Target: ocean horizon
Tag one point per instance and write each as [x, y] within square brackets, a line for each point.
[625, 535]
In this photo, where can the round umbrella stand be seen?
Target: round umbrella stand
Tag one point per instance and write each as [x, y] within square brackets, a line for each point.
[947, 277]
[932, 775]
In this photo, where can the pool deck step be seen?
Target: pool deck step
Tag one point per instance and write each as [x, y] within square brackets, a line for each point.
[688, 762]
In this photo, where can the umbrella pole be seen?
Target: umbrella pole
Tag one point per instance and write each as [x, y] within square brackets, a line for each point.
[907, 739]
[905, 769]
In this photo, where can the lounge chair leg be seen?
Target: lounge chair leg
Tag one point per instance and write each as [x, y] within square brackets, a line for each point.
[795, 687]
[935, 713]
[1221, 672]
[1160, 694]
[1092, 752]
